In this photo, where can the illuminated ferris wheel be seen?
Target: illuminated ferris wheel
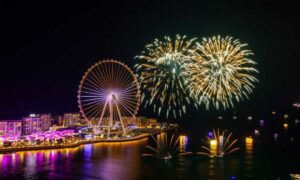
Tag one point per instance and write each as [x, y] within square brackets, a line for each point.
[108, 94]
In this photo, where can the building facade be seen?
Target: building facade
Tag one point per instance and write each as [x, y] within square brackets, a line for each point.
[71, 119]
[57, 120]
[35, 123]
[10, 127]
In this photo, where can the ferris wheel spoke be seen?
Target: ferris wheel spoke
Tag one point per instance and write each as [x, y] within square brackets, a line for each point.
[108, 73]
[129, 92]
[128, 80]
[102, 69]
[131, 95]
[128, 103]
[112, 74]
[127, 109]
[123, 73]
[85, 101]
[93, 113]
[92, 108]
[119, 74]
[124, 112]
[98, 79]
[97, 111]
[102, 75]
[91, 89]
[129, 100]
[130, 86]
[92, 93]
[93, 103]
[89, 82]
[89, 96]
[95, 78]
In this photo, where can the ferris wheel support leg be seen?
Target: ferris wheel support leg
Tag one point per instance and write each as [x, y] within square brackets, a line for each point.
[110, 123]
[102, 114]
[120, 117]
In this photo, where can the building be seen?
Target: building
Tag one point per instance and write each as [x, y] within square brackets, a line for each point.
[71, 119]
[141, 122]
[10, 127]
[35, 123]
[57, 120]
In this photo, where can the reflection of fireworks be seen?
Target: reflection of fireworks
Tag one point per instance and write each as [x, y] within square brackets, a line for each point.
[219, 145]
[165, 148]
[221, 72]
[160, 73]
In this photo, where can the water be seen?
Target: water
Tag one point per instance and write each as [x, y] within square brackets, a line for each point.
[265, 159]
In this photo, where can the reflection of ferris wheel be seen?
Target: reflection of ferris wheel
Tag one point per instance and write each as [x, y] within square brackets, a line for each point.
[109, 93]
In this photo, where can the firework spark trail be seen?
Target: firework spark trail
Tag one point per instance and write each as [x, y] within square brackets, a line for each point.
[159, 70]
[220, 72]
[220, 145]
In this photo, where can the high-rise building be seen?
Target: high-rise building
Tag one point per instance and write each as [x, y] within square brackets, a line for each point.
[35, 123]
[10, 127]
[57, 120]
[71, 119]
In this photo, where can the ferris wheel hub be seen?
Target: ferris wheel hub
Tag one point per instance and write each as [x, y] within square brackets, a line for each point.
[112, 96]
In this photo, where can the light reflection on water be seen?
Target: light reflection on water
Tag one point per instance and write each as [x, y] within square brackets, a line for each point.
[124, 161]
[95, 161]
[249, 164]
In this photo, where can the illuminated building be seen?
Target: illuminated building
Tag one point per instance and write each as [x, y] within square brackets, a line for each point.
[36, 123]
[57, 120]
[10, 127]
[71, 119]
[141, 121]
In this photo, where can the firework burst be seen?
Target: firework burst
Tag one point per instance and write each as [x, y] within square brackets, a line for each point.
[159, 70]
[220, 72]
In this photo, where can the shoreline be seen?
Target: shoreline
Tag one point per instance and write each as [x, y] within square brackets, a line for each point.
[77, 144]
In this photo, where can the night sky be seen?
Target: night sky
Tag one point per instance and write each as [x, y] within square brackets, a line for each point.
[46, 47]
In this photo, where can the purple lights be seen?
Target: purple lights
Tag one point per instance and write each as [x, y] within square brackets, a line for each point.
[210, 135]
[261, 123]
[49, 137]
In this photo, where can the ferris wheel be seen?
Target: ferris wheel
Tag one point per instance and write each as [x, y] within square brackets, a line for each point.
[109, 94]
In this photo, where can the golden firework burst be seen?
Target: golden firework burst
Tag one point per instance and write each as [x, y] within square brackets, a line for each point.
[220, 72]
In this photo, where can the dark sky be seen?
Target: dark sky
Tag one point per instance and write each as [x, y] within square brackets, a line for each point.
[46, 46]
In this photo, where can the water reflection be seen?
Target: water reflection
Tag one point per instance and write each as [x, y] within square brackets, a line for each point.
[99, 161]
[249, 161]
[184, 163]
[125, 161]
[183, 143]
